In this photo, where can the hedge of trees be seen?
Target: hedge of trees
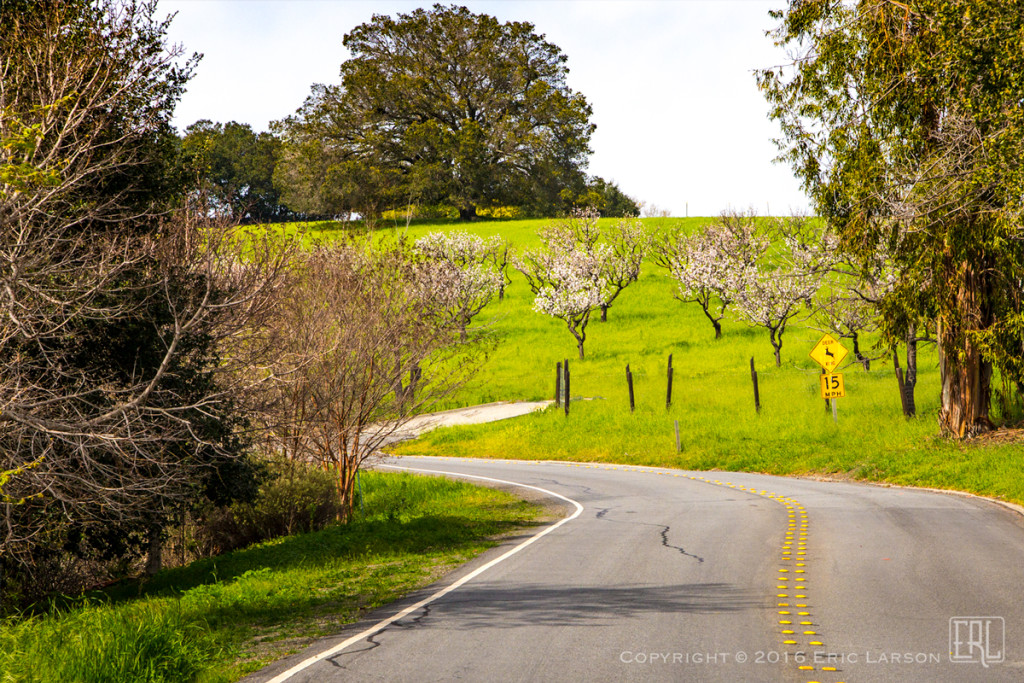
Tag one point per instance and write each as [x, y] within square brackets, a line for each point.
[153, 356]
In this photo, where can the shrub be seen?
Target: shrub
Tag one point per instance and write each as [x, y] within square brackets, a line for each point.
[296, 498]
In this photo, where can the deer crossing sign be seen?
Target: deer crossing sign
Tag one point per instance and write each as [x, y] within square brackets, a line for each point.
[828, 353]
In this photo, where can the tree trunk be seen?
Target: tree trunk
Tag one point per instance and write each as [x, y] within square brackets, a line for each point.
[467, 213]
[581, 334]
[604, 313]
[866, 362]
[910, 380]
[966, 388]
[777, 345]
[415, 374]
[154, 550]
[345, 476]
[705, 305]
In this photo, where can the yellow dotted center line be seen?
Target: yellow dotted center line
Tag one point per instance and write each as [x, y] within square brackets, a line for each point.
[796, 532]
[796, 512]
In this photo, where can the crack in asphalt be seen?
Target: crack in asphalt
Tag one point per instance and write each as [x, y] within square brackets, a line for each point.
[664, 541]
[580, 487]
[418, 621]
[665, 529]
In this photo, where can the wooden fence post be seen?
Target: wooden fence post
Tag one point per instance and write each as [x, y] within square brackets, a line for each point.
[679, 446]
[753, 377]
[629, 382]
[565, 367]
[558, 384]
[668, 396]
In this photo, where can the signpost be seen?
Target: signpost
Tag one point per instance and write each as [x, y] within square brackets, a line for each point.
[828, 353]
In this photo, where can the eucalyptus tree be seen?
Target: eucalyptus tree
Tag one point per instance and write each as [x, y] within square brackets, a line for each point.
[439, 105]
[903, 122]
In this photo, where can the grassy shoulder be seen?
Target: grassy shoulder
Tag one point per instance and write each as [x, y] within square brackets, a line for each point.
[712, 395]
[221, 618]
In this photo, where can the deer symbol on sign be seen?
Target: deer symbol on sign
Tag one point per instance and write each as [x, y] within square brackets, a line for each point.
[829, 353]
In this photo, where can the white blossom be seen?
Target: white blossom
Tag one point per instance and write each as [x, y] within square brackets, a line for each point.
[459, 248]
[574, 273]
[458, 276]
[770, 295]
[712, 263]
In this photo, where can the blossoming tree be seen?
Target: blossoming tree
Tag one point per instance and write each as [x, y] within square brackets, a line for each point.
[707, 264]
[462, 274]
[568, 282]
[575, 272]
[770, 293]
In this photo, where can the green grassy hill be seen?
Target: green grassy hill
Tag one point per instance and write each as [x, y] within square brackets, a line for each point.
[712, 394]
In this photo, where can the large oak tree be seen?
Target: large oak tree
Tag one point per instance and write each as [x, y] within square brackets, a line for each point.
[439, 105]
[904, 122]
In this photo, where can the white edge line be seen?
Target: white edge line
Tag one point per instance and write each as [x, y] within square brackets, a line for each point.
[381, 625]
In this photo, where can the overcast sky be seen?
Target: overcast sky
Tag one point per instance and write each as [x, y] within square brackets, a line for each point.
[680, 122]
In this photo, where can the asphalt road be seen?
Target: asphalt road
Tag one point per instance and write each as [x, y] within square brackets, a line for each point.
[689, 576]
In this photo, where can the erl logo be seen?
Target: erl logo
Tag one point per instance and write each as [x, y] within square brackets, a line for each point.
[977, 640]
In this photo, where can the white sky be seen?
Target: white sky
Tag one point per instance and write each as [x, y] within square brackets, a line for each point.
[680, 122]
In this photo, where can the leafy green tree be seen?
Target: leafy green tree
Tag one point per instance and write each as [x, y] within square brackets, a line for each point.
[607, 199]
[904, 123]
[235, 169]
[439, 105]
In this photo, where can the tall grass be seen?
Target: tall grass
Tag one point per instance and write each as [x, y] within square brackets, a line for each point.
[146, 641]
[218, 619]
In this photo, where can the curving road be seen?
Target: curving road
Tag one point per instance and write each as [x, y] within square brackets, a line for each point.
[667, 576]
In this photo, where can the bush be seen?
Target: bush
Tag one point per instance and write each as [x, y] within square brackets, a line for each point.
[296, 498]
[421, 212]
[500, 212]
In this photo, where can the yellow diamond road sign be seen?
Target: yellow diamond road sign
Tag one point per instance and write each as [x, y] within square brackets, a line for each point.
[828, 352]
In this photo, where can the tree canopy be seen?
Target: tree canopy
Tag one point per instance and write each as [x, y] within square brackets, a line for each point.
[904, 122]
[439, 105]
[607, 199]
[234, 167]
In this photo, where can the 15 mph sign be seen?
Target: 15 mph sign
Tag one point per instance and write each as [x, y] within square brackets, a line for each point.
[832, 386]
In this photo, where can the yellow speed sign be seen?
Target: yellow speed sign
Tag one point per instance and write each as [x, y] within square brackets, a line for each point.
[832, 386]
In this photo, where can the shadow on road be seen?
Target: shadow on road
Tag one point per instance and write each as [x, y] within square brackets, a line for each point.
[529, 605]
